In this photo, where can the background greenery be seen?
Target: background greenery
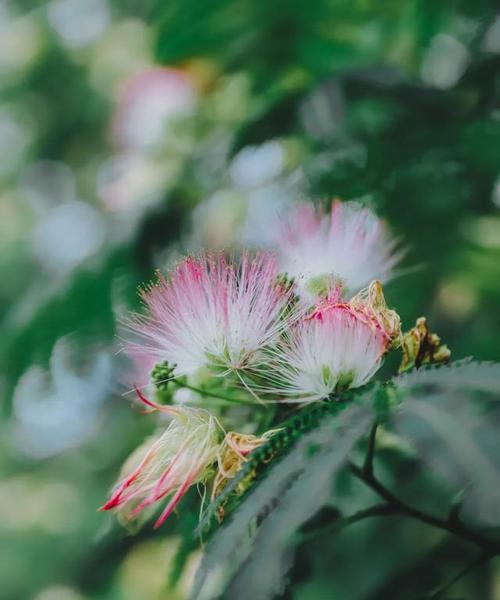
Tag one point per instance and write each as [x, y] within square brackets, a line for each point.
[394, 102]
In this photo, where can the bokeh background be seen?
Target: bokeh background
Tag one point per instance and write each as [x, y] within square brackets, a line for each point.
[131, 132]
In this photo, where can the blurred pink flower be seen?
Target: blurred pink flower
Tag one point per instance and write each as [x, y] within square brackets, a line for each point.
[148, 102]
[349, 246]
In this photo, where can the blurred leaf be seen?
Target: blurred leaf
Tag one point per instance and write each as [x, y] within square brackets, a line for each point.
[459, 375]
[316, 457]
[263, 575]
[460, 447]
[85, 307]
[452, 417]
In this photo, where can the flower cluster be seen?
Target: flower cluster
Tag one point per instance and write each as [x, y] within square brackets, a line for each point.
[301, 325]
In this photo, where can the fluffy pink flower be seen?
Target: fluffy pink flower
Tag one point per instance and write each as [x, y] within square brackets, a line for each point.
[350, 245]
[368, 306]
[167, 464]
[335, 348]
[212, 313]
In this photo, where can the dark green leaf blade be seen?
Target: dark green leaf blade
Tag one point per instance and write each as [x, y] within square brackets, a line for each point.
[326, 446]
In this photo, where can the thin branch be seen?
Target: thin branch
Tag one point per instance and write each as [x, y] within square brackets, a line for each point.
[454, 527]
[483, 558]
[378, 510]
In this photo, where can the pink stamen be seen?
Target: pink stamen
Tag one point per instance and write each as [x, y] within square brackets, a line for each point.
[172, 410]
[174, 501]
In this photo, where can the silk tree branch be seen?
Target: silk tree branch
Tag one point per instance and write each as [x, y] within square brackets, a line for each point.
[455, 527]
[378, 510]
[481, 559]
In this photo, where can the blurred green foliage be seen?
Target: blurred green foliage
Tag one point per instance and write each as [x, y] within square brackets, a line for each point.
[394, 102]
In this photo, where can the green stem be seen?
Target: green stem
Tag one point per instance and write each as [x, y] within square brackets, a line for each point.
[203, 392]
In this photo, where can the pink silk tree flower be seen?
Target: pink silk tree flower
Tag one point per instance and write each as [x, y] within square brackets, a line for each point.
[349, 246]
[167, 464]
[369, 306]
[338, 346]
[211, 313]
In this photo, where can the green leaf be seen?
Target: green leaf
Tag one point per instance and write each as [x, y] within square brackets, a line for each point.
[456, 435]
[264, 573]
[278, 445]
[451, 416]
[293, 489]
[290, 432]
[462, 375]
